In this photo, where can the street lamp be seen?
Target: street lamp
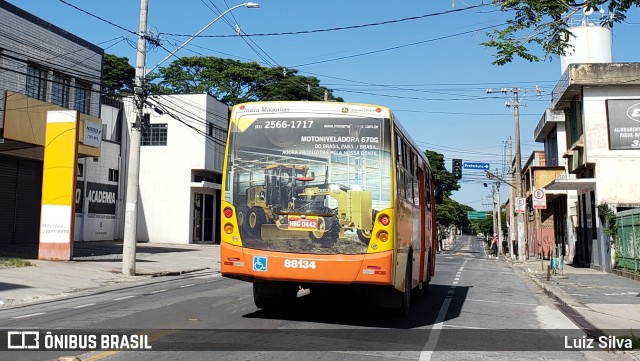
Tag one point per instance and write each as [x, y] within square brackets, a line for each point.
[250, 5]
[133, 168]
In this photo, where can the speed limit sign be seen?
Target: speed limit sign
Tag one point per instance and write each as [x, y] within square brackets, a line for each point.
[539, 199]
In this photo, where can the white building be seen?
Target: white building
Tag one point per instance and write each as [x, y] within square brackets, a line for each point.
[601, 103]
[181, 160]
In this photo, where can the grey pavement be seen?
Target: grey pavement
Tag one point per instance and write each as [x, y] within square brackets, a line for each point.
[99, 264]
[607, 302]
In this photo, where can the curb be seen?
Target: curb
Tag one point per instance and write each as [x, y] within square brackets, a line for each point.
[173, 273]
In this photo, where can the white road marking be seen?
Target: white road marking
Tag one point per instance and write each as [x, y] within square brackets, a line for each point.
[158, 291]
[86, 305]
[123, 298]
[30, 315]
[427, 350]
[189, 285]
[503, 302]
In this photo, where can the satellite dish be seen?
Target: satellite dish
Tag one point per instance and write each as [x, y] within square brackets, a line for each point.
[587, 12]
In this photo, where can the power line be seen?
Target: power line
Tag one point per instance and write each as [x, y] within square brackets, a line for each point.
[347, 27]
[398, 46]
[99, 18]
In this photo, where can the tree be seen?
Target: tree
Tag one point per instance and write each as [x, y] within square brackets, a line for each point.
[445, 178]
[449, 212]
[234, 82]
[118, 76]
[545, 23]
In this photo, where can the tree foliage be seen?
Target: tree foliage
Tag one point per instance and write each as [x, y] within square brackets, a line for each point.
[118, 76]
[234, 82]
[445, 178]
[546, 24]
[449, 212]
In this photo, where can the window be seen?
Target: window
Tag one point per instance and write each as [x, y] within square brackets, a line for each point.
[156, 134]
[60, 89]
[399, 149]
[37, 83]
[113, 175]
[80, 170]
[82, 101]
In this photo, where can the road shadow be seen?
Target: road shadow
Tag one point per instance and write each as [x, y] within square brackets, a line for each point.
[112, 250]
[350, 308]
[4, 286]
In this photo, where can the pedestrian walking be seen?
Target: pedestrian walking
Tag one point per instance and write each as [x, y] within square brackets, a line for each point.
[494, 245]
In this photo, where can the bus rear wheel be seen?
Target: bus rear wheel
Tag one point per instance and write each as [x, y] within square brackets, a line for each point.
[327, 233]
[405, 302]
[269, 295]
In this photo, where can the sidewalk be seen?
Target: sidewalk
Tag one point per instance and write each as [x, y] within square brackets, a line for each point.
[608, 302]
[98, 264]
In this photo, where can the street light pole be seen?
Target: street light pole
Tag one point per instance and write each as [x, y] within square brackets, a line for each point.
[133, 169]
[250, 5]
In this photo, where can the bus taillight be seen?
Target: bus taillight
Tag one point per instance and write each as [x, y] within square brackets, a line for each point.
[374, 270]
[383, 236]
[385, 220]
[228, 228]
[228, 212]
[233, 261]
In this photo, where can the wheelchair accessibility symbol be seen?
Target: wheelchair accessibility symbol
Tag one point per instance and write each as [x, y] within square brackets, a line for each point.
[260, 263]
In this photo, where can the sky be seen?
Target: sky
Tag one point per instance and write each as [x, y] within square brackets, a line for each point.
[422, 59]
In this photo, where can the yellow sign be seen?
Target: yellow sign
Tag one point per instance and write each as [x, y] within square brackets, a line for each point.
[58, 185]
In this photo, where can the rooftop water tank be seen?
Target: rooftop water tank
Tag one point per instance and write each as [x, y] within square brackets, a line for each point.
[591, 43]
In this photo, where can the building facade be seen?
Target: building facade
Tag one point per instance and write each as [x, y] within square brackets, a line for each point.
[561, 203]
[601, 107]
[44, 68]
[181, 161]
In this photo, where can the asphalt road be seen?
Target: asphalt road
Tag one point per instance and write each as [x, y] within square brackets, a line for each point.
[477, 308]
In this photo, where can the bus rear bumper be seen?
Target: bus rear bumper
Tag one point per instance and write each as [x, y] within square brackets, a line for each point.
[253, 265]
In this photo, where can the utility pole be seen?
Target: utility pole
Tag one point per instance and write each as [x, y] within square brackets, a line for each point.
[520, 228]
[133, 168]
[519, 216]
[512, 205]
[500, 237]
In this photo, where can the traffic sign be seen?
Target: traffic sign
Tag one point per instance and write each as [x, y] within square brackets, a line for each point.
[476, 215]
[539, 199]
[474, 165]
[520, 205]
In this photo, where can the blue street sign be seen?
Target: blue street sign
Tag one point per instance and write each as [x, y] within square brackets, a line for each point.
[481, 166]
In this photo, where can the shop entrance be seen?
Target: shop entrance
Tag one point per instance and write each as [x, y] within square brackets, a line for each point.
[203, 217]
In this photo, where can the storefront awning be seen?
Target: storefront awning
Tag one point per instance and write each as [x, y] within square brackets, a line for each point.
[570, 184]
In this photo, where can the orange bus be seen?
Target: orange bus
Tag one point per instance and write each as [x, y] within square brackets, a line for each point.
[326, 193]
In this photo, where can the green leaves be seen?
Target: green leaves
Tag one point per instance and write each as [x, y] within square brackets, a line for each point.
[118, 76]
[543, 25]
[234, 82]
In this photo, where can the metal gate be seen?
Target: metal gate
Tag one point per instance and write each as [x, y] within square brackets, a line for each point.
[628, 240]
[20, 196]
